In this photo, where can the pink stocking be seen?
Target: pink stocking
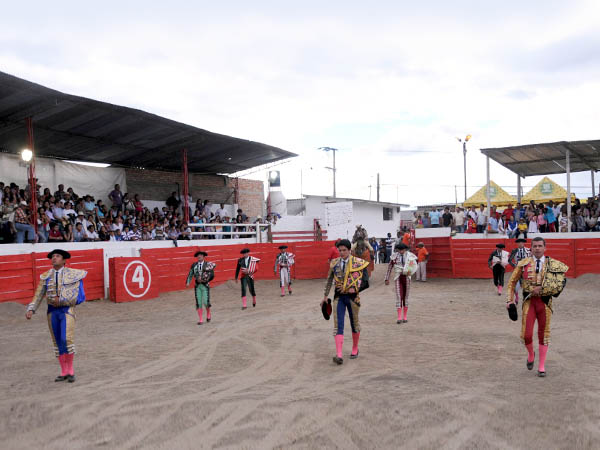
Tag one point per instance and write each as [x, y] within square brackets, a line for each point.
[339, 343]
[244, 302]
[543, 352]
[199, 315]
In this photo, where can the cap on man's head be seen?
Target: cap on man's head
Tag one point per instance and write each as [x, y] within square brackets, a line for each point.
[244, 251]
[282, 247]
[401, 246]
[63, 253]
[521, 240]
[200, 252]
[500, 245]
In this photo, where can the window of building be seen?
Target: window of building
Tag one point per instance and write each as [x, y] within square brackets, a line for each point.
[388, 214]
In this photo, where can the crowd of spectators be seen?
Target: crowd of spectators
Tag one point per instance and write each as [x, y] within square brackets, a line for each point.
[547, 217]
[65, 216]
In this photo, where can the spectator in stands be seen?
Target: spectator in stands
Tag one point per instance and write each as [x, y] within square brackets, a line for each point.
[118, 235]
[7, 214]
[508, 212]
[68, 234]
[492, 224]
[511, 227]
[135, 234]
[434, 216]
[139, 206]
[173, 202]
[22, 223]
[241, 213]
[91, 235]
[426, 221]
[459, 219]
[55, 235]
[89, 205]
[125, 234]
[220, 212]
[185, 232]
[481, 219]
[103, 235]
[128, 204]
[447, 218]
[60, 194]
[116, 197]
[79, 233]
[172, 233]
[69, 213]
[146, 235]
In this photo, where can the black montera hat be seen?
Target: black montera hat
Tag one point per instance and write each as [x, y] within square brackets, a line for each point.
[244, 251]
[500, 246]
[326, 309]
[521, 240]
[512, 312]
[200, 252]
[401, 246]
[63, 253]
[282, 247]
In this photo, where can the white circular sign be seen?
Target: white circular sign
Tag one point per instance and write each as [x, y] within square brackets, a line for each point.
[139, 278]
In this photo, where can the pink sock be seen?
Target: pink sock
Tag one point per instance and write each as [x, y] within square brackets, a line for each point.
[208, 316]
[543, 352]
[355, 337]
[244, 302]
[199, 315]
[63, 365]
[399, 313]
[282, 290]
[530, 354]
[405, 312]
[339, 343]
[499, 289]
[253, 300]
[69, 363]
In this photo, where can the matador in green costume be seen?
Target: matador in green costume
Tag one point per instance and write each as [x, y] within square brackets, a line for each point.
[203, 272]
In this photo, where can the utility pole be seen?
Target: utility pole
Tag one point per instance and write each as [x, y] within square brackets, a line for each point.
[378, 187]
[333, 150]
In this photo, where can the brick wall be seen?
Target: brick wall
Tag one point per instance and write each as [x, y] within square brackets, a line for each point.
[158, 185]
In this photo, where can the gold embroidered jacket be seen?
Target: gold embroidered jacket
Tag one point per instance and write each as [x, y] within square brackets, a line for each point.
[67, 290]
[350, 278]
[547, 277]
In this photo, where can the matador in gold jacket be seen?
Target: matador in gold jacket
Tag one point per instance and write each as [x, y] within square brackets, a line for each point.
[62, 287]
[542, 278]
[350, 277]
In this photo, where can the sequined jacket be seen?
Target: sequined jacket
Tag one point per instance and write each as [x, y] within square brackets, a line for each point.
[545, 278]
[344, 281]
[69, 289]
[202, 275]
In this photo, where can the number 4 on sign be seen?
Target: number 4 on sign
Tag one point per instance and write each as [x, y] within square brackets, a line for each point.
[138, 276]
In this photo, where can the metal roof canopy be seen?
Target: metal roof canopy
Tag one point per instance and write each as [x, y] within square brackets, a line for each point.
[77, 128]
[547, 159]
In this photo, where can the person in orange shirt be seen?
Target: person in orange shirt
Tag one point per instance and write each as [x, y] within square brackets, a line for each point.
[406, 237]
[422, 258]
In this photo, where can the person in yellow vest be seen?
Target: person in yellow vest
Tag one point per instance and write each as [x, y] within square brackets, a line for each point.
[62, 287]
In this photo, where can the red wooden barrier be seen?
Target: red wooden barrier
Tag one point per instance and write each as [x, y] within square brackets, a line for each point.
[587, 256]
[20, 274]
[133, 279]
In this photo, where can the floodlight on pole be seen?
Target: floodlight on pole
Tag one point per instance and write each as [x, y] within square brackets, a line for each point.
[464, 143]
[26, 155]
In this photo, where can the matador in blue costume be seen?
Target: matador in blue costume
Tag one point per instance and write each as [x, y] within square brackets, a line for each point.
[62, 287]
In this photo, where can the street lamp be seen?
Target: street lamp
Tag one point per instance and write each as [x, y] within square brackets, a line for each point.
[464, 143]
[26, 155]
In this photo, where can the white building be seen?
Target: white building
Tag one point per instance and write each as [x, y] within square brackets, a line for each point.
[339, 216]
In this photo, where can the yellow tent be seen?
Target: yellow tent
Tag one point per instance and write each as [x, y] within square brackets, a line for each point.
[498, 197]
[545, 191]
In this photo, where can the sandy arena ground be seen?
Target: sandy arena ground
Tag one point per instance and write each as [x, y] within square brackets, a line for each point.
[454, 376]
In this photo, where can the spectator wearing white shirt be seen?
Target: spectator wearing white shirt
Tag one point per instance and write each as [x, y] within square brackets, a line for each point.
[91, 234]
[220, 212]
[481, 219]
[79, 233]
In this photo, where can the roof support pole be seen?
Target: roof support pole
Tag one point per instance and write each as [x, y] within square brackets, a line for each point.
[593, 183]
[32, 180]
[186, 203]
[568, 167]
[487, 191]
[518, 188]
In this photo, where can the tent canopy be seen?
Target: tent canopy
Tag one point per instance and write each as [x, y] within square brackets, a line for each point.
[546, 190]
[498, 197]
[78, 128]
[546, 159]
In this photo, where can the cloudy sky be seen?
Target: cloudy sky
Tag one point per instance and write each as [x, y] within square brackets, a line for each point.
[391, 84]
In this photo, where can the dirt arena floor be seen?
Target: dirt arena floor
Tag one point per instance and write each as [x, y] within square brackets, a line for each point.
[454, 376]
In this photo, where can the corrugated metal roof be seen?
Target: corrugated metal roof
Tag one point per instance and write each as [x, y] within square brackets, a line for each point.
[546, 159]
[78, 128]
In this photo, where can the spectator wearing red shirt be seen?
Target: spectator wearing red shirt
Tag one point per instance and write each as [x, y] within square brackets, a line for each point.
[55, 235]
[508, 212]
[333, 252]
